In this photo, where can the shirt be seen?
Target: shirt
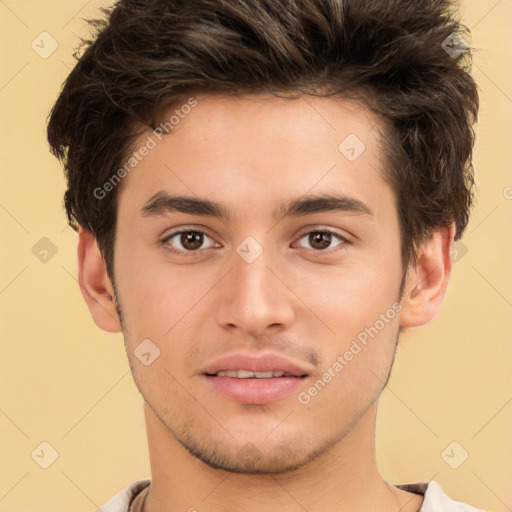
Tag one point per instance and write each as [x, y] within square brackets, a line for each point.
[131, 498]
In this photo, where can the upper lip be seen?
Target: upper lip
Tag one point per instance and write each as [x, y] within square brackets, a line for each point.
[265, 362]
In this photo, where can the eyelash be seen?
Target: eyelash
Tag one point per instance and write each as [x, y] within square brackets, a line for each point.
[166, 240]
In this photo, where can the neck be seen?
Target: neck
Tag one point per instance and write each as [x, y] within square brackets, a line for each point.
[343, 478]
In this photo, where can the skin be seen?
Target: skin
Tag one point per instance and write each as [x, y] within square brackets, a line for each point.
[296, 299]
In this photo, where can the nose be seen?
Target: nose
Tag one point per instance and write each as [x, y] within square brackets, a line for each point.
[255, 296]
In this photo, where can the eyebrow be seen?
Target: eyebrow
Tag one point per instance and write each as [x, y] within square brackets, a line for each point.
[162, 203]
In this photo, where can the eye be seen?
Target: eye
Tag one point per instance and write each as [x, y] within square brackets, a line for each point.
[187, 240]
[321, 240]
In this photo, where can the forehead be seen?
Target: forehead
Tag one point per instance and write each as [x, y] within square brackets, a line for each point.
[248, 151]
[261, 118]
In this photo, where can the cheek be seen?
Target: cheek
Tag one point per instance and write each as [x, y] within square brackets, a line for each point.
[352, 378]
[360, 307]
[353, 297]
[163, 306]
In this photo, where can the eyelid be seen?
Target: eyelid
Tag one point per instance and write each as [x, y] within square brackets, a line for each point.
[325, 229]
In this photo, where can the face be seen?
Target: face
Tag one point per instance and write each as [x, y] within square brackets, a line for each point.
[272, 311]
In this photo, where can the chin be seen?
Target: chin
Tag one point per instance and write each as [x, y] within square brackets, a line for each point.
[259, 455]
[250, 460]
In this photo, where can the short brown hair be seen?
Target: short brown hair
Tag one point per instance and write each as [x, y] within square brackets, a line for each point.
[147, 55]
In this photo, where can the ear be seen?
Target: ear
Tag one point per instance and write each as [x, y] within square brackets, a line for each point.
[95, 284]
[427, 280]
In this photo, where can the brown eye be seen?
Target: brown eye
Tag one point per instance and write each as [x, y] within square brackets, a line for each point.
[321, 240]
[191, 240]
[187, 241]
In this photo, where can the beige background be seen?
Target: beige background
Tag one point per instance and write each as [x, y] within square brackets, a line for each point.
[65, 382]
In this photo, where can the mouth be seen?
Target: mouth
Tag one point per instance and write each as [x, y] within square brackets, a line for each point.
[248, 374]
[255, 378]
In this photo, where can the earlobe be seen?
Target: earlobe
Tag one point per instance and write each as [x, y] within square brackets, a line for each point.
[427, 280]
[95, 283]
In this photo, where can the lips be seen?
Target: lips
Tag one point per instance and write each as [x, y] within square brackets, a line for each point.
[255, 378]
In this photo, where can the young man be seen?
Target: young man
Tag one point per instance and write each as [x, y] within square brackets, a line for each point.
[266, 193]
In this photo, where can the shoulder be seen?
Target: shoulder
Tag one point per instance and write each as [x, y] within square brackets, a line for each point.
[435, 499]
[121, 501]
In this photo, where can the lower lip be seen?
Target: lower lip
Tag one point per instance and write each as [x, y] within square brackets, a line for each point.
[254, 390]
